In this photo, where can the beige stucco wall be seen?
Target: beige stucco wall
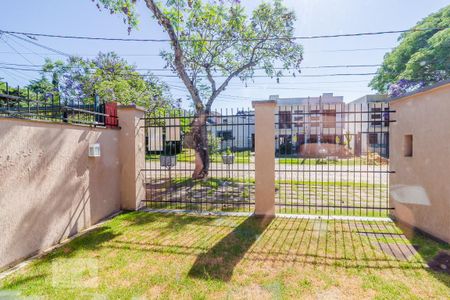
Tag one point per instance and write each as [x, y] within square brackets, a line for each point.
[132, 156]
[264, 157]
[420, 186]
[49, 187]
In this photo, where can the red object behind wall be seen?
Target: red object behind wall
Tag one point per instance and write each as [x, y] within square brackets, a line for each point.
[111, 110]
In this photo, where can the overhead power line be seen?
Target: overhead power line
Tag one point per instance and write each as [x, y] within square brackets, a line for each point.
[165, 69]
[355, 49]
[26, 47]
[221, 76]
[40, 45]
[14, 49]
[102, 38]
[157, 55]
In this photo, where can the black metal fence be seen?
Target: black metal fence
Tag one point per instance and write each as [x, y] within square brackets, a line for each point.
[170, 162]
[23, 103]
[333, 158]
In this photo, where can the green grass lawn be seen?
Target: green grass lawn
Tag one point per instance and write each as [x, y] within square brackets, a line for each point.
[188, 155]
[214, 182]
[147, 255]
[291, 197]
[244, 157]
[356, 161]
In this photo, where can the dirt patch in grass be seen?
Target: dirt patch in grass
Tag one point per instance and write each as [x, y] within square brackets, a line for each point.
[331, 294]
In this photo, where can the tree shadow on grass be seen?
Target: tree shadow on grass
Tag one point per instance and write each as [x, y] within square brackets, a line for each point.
[90, 240]
[219, 262]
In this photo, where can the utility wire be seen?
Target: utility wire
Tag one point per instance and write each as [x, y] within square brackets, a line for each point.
[40, 45]
[309, 88]
[3, 64]
[355, 49]
[79, 37]
[165, 69]
[157, 55]
[221, 76]
[25, 47]
[14, 49]
[16, 74]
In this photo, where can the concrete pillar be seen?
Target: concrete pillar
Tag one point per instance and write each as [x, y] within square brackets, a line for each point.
[265, 157]
[132, 156]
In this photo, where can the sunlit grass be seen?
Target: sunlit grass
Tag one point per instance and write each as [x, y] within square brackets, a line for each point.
[184, 256]
[324, 162]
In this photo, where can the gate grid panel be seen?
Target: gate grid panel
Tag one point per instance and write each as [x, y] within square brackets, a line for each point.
[170, 162]
[333, 159]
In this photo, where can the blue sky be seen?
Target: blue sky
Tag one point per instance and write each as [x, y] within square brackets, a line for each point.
[314, 17]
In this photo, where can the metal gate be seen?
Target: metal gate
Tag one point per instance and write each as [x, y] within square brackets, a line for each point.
[170, 162]
[333, 158]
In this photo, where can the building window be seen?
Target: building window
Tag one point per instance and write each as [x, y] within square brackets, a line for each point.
[298, 120]
[314, 118]
[285, 119]
[225, 135]
[329, 119]
[312, 139]
[408, 145]
[373, 138]
[375, 116]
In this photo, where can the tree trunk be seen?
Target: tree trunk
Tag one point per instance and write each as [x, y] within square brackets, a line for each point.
[200, 139]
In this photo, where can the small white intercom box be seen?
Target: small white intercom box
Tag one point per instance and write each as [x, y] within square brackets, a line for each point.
[94, 150]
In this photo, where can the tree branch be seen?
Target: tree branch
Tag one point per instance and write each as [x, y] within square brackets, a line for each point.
[252, 62]
[210, 78]
[179, 57]
[226, 82]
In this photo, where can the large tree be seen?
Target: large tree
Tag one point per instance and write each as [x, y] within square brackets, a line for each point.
[107, 75]
[213, 42]
[421, 58]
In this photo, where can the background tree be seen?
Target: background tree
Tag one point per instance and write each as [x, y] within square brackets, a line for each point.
[218, 39]
[421, 58]
[108, 76]
[41, 86]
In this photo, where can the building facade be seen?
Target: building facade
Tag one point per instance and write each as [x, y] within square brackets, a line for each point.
[236, 132]
[368, 125]
[308, 121]
[314, 127]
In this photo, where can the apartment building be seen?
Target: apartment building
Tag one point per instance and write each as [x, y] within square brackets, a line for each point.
[309, 120]
[368, 124]
[314, 126]
[236, 131]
